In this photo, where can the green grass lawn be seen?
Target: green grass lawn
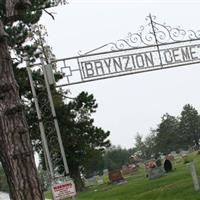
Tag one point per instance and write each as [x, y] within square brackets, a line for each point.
[176, 185]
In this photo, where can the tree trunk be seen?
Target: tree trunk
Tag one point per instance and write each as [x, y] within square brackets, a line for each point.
[16, 152]
[75, 175]
[196, 138]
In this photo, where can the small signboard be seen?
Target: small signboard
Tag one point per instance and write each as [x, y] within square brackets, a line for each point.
[64, 190]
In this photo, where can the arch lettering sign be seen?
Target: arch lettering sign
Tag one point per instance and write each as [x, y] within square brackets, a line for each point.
[156, 46]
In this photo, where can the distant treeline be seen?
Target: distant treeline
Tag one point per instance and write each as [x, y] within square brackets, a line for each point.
[172, 134]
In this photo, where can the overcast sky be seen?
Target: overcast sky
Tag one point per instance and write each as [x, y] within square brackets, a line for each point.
[134, 103]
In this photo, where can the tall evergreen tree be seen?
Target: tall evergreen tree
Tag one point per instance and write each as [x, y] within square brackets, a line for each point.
[140, 146]
[81, 138]
[167, 138]
[16, 152]
[146, 147]
[189, 126]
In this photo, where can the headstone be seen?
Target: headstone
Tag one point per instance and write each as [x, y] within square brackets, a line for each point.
[99, 180]
[155, 172]
[129, 169]
[125, 169]
[150, 164]
[184, 153]
[115, 176]
[90, 182]
[162, 157]
[105, 176]
[173, 153]
[105, 172]
[169, 157]
[167, 165]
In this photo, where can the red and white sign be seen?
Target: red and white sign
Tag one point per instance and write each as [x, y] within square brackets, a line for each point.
[64, 190]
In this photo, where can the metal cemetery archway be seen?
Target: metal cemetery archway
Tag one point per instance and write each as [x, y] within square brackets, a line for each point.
[156, 46]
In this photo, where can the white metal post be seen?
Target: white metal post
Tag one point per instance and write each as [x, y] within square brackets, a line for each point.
[55, 118]
[41, 125]
[194, 176]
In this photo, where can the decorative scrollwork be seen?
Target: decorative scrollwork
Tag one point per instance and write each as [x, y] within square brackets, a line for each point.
[166, 34]
[153, 33]
[48, 122]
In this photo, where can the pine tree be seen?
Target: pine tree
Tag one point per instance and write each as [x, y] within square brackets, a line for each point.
[168, 138]
[16, 152]
[189, 126]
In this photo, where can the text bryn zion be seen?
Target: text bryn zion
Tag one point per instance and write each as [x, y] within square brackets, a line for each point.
[130, 61]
